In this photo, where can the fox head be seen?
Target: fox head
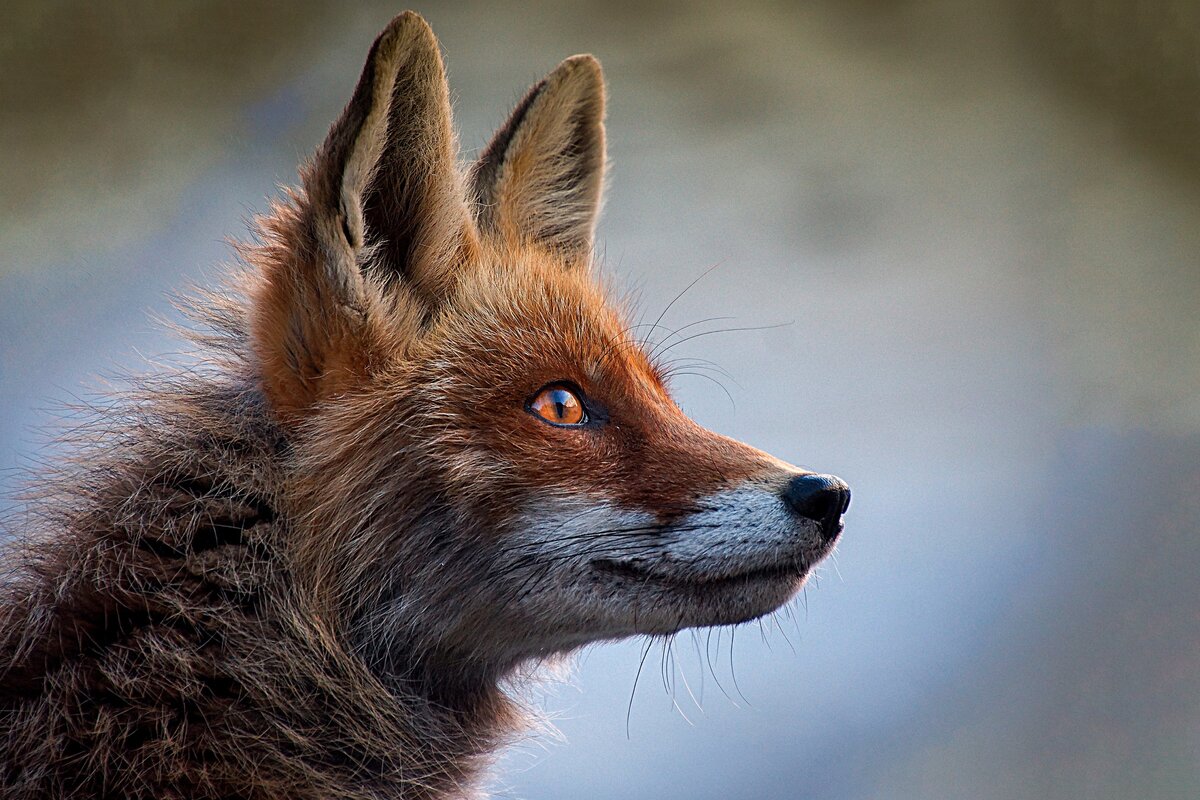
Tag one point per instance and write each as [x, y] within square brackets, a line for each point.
[486, 465]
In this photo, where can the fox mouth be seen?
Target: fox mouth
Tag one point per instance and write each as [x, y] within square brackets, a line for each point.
[644, 574]
[784, 570]
[631, 570]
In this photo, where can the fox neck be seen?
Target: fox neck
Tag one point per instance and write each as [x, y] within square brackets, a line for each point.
[190, 520]
[449, 708]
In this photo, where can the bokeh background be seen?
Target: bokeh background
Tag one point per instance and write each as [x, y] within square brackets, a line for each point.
[974, 229]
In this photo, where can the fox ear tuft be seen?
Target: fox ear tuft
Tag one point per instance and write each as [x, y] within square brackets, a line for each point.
[380, 229]
[540, 178]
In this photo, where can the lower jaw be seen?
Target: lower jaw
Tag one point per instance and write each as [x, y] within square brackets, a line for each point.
[702, 583]
[675, 603]
[685, 615]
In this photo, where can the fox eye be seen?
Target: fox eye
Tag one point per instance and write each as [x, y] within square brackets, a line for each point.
[558, 405]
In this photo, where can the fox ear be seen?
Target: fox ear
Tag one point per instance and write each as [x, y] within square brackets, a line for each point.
[540, 178]
[386, 175]
[383, 205]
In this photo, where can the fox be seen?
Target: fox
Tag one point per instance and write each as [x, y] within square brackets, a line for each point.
[420, 452]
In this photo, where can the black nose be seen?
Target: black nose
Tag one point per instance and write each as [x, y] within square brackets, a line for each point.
[821, 498]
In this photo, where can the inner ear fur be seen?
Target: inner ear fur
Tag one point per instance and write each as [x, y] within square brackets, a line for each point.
[378, 231]
[541, 177]
[387, 174]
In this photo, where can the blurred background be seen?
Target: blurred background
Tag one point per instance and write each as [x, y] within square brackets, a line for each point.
[975, 231]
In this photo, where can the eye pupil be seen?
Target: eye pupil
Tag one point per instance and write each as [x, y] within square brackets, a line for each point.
[559, 405]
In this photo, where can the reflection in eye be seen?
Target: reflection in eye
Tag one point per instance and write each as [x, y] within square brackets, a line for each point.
[558, 405]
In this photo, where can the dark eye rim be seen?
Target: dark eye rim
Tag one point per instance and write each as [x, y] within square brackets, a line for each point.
[591, 416]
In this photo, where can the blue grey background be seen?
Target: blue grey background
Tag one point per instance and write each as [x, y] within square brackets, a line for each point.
[973, 231]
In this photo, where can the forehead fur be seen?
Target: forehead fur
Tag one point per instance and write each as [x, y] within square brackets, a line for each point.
[523, 309]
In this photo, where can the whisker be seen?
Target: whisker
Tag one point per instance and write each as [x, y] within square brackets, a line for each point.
[653, 352]
[762, 632]
[695, 362]
[732, 402]
[669, 657]
[782, 632]
[724, 330]
[732, 670]
[633, 692]
[699, 662]
[688, 688]
[685, 290]
[711, 669]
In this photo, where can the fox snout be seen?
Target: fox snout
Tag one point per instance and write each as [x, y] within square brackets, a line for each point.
[820, 498]
[600, 568]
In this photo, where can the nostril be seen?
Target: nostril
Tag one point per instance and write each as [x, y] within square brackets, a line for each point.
[821, 498]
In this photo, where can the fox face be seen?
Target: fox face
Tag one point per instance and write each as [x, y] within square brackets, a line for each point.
[488, 466]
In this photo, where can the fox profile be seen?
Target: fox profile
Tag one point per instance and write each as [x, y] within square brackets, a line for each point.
[421, 450]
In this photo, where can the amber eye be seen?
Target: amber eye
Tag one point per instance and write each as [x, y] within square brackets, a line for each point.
[558, 405]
